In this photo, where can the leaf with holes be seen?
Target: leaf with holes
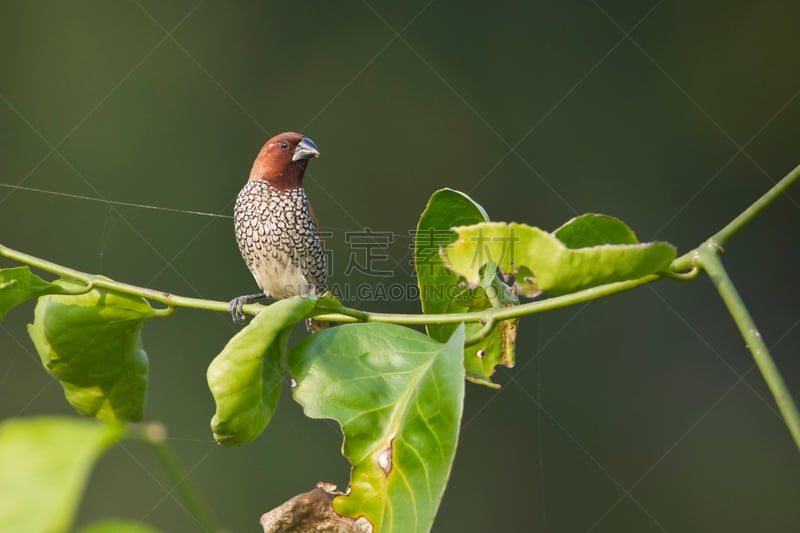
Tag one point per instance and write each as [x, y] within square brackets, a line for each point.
[398, 396]
[587, 251]
[440, 291]
[245, 378]
[18, 285]
[92, 343]
[44, 465]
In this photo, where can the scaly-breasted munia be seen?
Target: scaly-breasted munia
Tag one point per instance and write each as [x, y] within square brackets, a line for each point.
[276, 229]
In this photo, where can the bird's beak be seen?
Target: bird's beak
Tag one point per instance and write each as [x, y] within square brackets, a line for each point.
[306, 149]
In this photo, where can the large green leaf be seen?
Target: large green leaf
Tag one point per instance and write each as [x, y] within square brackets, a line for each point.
[598, 250]
[440, 291]
[18, 285]
[44, 465]
[245, 378]
[398, 396]
[92, 343]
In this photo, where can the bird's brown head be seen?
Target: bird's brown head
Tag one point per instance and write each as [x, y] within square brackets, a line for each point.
[282, 160]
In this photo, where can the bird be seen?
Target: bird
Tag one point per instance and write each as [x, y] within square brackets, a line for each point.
[276, 229]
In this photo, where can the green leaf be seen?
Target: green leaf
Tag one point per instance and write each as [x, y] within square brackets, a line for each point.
[117, 526]
[398, 396]
[18, 285]
[44, 465]
[592, 229]
[542, 262]
[92, 343]
[446, 208]
[440, 292]
[245, 378]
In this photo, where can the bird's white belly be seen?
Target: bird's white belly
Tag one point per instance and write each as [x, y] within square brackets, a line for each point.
[280, 279]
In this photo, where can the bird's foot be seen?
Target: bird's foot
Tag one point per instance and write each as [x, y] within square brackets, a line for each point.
[235, 306]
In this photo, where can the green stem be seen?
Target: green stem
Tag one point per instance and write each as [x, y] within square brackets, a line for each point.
[155, 435]
[708, 259]
[166, 298]
[336, 313]
[732, 228]
[493, 314]
[481, 334]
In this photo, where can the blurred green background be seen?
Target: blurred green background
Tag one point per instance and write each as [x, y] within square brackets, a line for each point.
[642, 412]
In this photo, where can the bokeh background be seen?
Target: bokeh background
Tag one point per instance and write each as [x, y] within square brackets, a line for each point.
[641, 412]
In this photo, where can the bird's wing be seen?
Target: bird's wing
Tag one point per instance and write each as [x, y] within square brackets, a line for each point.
[313, 218]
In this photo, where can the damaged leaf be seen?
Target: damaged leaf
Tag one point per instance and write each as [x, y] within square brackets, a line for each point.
[595, 250]
[440, 291]
[398, 396]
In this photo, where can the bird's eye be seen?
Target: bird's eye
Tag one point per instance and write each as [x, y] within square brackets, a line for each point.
[284, 145]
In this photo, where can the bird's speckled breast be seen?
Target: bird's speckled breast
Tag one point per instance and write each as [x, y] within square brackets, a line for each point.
[278, 240]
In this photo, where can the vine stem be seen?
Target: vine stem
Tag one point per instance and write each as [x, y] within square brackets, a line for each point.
[335, 313]
[707, 257]
[732, 228]
[103, 282]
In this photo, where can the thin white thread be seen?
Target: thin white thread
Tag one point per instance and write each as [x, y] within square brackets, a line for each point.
[396, 234]
[113, 202]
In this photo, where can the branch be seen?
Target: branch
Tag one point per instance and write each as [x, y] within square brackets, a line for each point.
[732, 228]
[334, 313]
[103, 282]
[495, 314]
[708, 259]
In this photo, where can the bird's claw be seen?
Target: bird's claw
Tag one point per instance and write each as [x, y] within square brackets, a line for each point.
[235, 307]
